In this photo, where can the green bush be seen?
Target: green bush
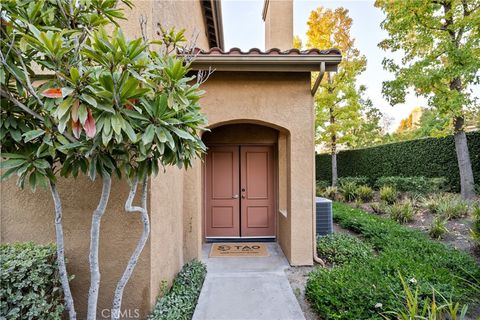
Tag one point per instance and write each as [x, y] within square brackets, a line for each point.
[321, 185]
[179, 303]
[388, 194]
[453, 207]
[348, 190]
[360, 180]
[379, 207]
[330, 193]
[364, 289]
[340, 248]
[30, 284]
[438, 228]
[412, 184]
[431, 157]
[402, 212]
[364, 193]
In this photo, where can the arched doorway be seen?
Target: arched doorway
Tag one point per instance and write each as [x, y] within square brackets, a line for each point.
[240, 181]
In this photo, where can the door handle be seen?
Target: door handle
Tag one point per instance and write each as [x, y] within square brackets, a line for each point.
[235, 196]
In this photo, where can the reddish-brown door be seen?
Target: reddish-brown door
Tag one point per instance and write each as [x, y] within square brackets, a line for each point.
[240, 191]
[256, 182]
[223, 200]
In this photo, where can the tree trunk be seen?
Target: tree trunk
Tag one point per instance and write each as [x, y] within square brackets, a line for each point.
[67, 294]
[94, 242]
[334, 170]
[117, 299]
[467, 184]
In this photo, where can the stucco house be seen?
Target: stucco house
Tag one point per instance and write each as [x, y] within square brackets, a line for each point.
[256, 181]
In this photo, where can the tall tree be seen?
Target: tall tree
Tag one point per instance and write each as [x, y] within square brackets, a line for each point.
[338, 100]
[440, 42]
[108, 106]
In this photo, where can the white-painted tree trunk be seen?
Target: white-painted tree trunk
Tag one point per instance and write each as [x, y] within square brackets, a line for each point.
[62, 269]
[94, 242]
[117, 299]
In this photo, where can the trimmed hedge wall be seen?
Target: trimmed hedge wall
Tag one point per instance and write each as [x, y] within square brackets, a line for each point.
[430, 157]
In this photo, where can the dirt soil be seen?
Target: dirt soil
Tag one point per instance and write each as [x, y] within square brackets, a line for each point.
[298, 280]
[458, 235]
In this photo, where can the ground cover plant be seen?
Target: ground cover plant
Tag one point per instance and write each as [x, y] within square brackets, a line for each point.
[339, 248]
[30, 283]
[180, 301]
[363, 289]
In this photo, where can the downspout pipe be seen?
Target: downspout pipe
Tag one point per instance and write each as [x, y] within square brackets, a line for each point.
[319, 78]
[314, 216]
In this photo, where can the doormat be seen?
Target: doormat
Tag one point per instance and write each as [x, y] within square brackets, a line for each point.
[238, 250]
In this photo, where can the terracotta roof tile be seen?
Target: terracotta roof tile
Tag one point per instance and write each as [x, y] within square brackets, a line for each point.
[273, 51]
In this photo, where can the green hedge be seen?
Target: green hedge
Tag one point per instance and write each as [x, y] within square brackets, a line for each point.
[430, 157]
[179, 303]
[30, 285]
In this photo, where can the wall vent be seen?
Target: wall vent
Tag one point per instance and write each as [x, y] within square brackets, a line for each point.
[324, 216]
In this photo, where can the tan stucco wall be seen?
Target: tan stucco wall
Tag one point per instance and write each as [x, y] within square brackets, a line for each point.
[281, 101]
[279, 24]
[30, 217]
[184, 14]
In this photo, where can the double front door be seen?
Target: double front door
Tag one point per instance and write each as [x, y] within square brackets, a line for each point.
[240, 191]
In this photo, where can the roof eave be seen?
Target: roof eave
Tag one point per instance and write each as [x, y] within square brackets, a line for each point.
[267, 63]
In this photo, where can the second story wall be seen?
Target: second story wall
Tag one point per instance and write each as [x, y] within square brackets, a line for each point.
[186, 14]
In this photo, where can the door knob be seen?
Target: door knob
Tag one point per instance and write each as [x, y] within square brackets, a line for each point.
[235, 196]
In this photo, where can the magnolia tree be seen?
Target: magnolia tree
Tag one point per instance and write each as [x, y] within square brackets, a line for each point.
[105, 106]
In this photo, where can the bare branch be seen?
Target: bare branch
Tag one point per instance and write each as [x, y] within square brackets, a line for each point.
[203, 75]
[143, 26]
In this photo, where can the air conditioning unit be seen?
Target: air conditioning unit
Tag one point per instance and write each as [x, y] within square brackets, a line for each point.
[324, 216]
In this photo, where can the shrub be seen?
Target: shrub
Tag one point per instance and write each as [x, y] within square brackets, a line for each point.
[430, 157]
[364, 193]
[401, 212]
[179, 303]
[348, 191]
[364, 289]
[418, 184]
[30, 284]
[438, 228]
[340, 248]
[330, 193]
[453, 208]
[379, 207]
[388, 194]
[360, 180]
[320, 186]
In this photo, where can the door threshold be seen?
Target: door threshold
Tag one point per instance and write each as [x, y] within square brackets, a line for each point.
[239, 239]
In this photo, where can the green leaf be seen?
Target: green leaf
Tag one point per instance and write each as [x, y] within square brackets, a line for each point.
[82, 114]
[14, 163]
[30, 135]
[89, 99]
[130, 132]
[64, 107]
[147, 137]
[117, 123]
[41, 164]
[74, 74]
[162, 137]
[67, 91]
[183, 134]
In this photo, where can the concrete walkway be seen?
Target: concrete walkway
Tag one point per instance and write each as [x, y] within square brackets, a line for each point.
[247, 288]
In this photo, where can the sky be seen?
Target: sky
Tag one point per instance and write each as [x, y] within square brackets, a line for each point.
[243, 28]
